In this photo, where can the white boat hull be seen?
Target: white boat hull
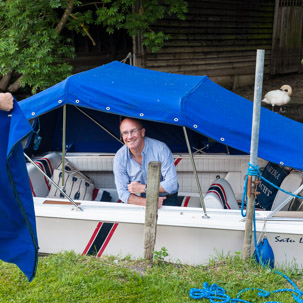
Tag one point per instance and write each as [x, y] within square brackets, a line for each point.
[118, 229]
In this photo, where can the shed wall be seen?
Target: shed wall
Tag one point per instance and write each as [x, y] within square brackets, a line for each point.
[219, 39]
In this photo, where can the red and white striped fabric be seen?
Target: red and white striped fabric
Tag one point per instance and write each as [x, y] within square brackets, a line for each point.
[39, 184]
[220, 195]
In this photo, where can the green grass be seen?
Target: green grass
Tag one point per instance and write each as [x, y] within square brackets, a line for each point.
[72, 278]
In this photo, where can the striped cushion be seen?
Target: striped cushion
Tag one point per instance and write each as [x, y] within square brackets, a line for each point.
[220, 195]
[46, 167]
[68, 167]
[75, 186]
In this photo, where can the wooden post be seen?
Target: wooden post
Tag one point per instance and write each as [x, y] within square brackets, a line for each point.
[151, 210]
[249, 221]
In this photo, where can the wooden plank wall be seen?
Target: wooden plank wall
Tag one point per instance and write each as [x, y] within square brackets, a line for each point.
[107, 48]
[219, 38]
[287, 49]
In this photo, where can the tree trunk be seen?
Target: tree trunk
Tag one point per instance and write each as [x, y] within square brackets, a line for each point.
[68, 11]
[5, 80]
[15, 86]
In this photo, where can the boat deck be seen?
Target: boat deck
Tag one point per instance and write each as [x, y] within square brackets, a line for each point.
[167, 216]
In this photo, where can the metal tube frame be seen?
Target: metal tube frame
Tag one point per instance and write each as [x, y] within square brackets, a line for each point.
[254, 150]
[195, 173]
[289, 198]
[97, 123]
[63, 143]
[52, 181]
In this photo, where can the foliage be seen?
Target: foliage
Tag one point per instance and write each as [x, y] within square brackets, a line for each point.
[33, 49]
[137, 16]
[73, 278]
[159, 256]
[30, 45]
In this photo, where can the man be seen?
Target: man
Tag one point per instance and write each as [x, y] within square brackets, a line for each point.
[6, 101]
[131, 164]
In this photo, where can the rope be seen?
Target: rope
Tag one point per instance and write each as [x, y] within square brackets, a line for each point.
[214, 293]
[255, 171]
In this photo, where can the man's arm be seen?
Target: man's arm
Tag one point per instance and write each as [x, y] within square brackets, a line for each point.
[168, 171]
[169, 184]
[134, 199]
[138, 188]
[6, 101]
[121, 178]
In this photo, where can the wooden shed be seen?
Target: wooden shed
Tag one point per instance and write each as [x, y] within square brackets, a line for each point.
[219, 38]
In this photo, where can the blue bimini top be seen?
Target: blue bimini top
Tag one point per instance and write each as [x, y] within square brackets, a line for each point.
[195, 102]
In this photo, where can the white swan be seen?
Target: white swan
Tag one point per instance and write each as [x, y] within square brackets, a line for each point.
[278, 97]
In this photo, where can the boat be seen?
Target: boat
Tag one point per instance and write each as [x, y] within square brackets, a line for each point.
[217, 126]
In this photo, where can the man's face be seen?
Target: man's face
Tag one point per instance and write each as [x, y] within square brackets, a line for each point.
[132, 135]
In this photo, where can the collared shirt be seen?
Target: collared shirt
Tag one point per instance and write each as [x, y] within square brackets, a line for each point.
[127, 170]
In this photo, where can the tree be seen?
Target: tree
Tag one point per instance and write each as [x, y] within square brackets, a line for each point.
[33, 48]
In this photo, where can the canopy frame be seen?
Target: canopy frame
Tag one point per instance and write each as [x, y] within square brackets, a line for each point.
[53, 182]
[195, 173]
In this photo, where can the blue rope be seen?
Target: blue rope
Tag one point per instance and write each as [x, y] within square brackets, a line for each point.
[214, 293]
[255, 171]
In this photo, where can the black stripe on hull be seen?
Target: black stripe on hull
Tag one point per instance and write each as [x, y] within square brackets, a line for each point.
[100, 239]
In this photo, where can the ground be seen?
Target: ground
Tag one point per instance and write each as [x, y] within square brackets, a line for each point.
[294, 109]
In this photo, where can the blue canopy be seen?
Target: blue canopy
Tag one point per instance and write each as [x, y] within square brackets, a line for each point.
[192, 101]
[18, 239]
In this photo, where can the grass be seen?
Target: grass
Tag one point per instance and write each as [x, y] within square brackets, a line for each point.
[69, 277]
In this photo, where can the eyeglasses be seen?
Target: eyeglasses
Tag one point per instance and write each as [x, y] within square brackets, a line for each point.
[131, 132]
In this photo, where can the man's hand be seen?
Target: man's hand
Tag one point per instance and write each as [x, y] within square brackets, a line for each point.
[136, 188]
[160, 201]
[6, 101]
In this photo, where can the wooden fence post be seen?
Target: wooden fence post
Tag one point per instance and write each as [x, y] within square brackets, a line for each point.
[151, 210]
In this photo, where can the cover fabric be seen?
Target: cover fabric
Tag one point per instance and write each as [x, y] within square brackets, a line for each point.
[220, 195]
[275, 174]
[18, 237]
[195, 102]
[76, 184]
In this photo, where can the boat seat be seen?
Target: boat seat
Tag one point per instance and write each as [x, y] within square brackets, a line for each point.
[290, 183]
[187, 199]
[39, 184]
[220, 195]
[275, 174]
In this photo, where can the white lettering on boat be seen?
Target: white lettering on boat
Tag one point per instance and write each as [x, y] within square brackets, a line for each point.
[287, 240]
[273, 172]
[265, 189]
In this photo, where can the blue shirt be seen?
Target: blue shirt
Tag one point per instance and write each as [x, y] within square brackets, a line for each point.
[127, 170]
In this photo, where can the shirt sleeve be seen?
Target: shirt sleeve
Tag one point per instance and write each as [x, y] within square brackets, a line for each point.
[168, 171]
[121, 178]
